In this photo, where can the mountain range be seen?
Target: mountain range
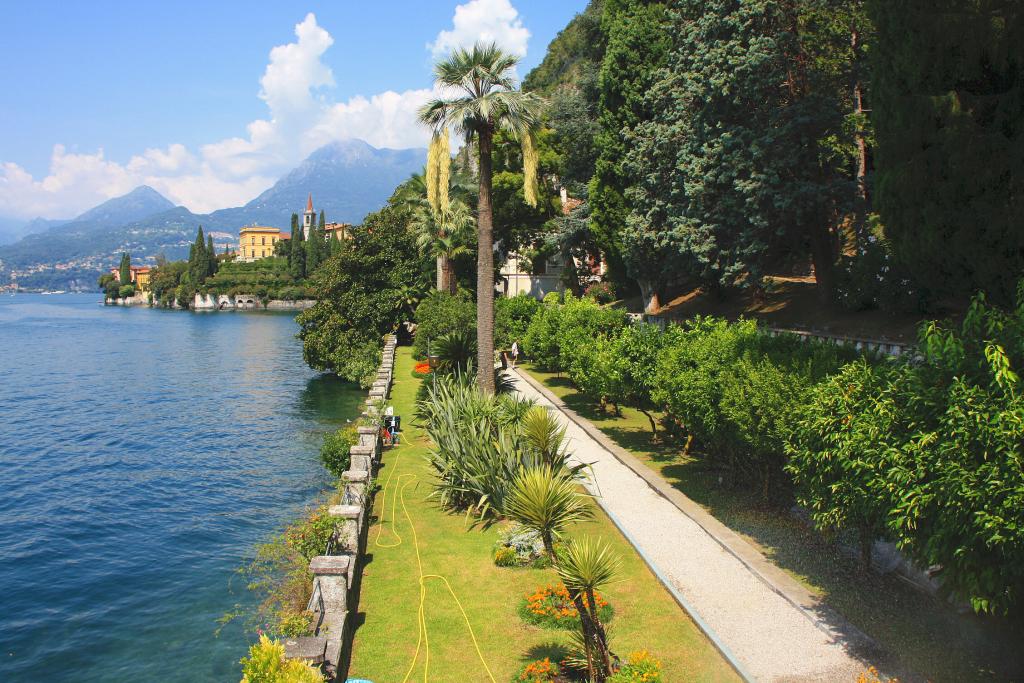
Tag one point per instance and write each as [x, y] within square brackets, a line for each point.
[348, 179]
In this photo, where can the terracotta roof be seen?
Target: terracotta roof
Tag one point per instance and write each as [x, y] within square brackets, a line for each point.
[285, 236]
[258, 228]
[309, 203]
[569, 204]
[336, 226]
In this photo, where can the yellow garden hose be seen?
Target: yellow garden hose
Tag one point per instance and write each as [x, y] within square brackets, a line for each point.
[423, 638]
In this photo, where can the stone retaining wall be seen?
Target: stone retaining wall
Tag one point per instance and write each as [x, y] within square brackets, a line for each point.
[336, 573]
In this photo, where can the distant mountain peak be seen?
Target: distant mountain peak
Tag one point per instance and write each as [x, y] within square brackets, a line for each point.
[141, 202]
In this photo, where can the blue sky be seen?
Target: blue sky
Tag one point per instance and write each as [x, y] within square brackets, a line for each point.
[190, 98]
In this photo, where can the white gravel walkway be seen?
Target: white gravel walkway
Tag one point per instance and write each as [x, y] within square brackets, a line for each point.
[766, 635]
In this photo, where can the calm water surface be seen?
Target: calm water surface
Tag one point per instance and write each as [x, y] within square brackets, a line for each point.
[142, 455]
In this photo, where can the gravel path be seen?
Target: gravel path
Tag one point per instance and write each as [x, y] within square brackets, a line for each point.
[769, 637]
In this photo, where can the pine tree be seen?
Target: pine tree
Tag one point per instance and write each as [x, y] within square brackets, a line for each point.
[297, 263]
[126, 269]
[948, 105]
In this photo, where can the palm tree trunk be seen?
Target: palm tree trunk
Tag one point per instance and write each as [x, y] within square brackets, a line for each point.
[485, 270]
[440, 273]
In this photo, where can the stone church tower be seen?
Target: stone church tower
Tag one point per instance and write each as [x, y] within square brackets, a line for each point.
[309, 217]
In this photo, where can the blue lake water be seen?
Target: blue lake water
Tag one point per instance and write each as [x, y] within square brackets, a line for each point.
[143, 453]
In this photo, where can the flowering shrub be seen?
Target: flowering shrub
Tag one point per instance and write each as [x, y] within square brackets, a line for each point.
[601, 292]
[550, 606]
[640, 667]
[540, 671]
[518, 546]
[421, 369]
[872, 676]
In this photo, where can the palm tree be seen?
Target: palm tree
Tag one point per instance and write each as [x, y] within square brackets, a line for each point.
[483, 102]
[585, 567]
[443, 234]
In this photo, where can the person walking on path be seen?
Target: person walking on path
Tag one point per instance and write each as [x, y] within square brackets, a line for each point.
[515, 352]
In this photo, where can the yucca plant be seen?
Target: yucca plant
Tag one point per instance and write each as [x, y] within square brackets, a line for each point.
[586, 566]
[545, 435]
[546, 499]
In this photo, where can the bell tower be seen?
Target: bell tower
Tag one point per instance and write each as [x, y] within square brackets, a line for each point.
[308, 217]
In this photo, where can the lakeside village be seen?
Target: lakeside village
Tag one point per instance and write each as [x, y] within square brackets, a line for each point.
[270, 269]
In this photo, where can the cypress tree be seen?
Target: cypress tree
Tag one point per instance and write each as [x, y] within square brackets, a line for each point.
[314, 248]
[297, 262]
[325, 247]
[126, 269]
[199, 259]
[948, 107]
[211, 255]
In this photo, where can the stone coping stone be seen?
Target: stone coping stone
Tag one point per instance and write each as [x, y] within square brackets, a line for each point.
[309, 648]
[366, 429]
[330, 565]
[359, 449]
[345, 511]
[355, 476]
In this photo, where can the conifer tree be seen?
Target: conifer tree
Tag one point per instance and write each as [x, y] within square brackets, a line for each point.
[125, 273]
[211, 255]
[948, 106]
[199, 259]
[314, 248]
[325, 247]
[297, 263]
[637, 48]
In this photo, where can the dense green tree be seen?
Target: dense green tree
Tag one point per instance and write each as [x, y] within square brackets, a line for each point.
[487, 103]
[361, 297]
[314, 246]
[636, 49]
[742, 156]
[199, 260]
[211, 256]
[325, 247]
[948, 105]
[574, 57]
[125, 269]
[297, 258]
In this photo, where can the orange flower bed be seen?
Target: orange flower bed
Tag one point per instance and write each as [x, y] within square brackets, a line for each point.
[551, 606]
[541, 671]
[422, 368]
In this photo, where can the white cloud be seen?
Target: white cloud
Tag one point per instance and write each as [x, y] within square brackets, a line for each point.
[484, 21]
[300, 119]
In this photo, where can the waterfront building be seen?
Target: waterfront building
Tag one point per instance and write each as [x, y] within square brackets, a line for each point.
[138, 276]
[257, 241]
[338, 231]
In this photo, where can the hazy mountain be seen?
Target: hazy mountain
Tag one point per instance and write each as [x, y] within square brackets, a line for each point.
[348, 180]
[141, 202]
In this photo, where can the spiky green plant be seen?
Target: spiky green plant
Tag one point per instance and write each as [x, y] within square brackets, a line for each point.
[545, 435]
[547, 499]
[586, 566]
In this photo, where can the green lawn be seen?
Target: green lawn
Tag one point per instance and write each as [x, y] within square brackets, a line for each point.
[440, 544]
[920, 630]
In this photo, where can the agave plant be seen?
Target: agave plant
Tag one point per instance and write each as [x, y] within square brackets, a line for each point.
[586, 566]
[548, 501]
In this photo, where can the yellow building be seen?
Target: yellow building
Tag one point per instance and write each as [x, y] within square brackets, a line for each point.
[340, 231]
[141, 278]
[257, 241]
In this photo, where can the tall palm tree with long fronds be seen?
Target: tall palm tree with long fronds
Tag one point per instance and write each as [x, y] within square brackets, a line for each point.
[483, 100]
